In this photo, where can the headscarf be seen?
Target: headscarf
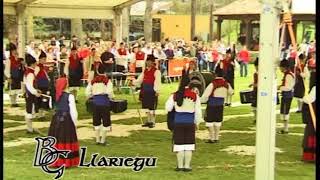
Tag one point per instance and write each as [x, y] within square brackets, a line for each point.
[61, 85]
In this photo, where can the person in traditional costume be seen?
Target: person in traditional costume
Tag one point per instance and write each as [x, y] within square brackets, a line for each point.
[13, 71]
[42, 83]
[101, 91]
[286, 89]
[187, 116]
[95, 64]
[108, 59]
[74, 71]
[139, 59]
[150, 81]
[32, 94]
[299, 88]
[214, 95]
[122, 56]
[311, 64]
[255, 90]
[227, 65]
[309, 139]
[63, 125]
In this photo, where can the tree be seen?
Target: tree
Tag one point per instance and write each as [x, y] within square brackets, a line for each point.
[148, 21]
[193, 17]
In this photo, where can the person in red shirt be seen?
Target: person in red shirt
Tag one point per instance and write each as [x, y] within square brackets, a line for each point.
[215, 58]
[244, 58]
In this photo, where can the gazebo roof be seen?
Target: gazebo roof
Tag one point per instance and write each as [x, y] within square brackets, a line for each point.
[68, 8]
[254, 7]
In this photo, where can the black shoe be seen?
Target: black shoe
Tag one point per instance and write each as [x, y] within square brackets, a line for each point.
[210, 141]
[77, 101]
[283, 132]
[215, 141]
[298, 111]
[225, 104]
[151, 125]
[187, 169]
[14, 105]
[179, 169]
[147, 124]
[104, 144]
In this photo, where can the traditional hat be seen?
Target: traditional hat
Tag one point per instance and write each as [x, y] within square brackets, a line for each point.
[12, 47]
[42, 55]
[284, 63]
[151, 57]
[30, 59]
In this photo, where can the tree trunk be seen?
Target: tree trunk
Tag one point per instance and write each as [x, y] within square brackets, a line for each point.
[148, 21]
[211, 22]
[103, 29]
[125, 23]
[76, 28]
[193, 17]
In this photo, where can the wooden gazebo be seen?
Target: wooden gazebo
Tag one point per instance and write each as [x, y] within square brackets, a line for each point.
[248, 11]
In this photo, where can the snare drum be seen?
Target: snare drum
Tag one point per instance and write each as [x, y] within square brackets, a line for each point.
[118, 105]
[246, 96]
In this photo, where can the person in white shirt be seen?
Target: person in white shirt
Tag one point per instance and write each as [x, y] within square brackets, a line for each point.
[186, 106]
[31, 92]
[286, 89]
[214, 95]
[63, 125]
[100, 89]
[150, 81]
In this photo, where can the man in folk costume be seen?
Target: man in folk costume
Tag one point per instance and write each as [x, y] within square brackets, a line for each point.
[311, 64]
[227, 65]
[214, 95]
[42, 83]
[299, 88]
[309, 139]
[63, 125]
[74, 71]
[139, 59]
[14, 72]
[150, 81]
[101, 91]
[187, 116]
[286, 89]
[32, 94]
[255, 90]
[122, 56]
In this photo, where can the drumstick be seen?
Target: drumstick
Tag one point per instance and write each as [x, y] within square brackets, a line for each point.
[134, 99]
[313, 117]
[50, 99]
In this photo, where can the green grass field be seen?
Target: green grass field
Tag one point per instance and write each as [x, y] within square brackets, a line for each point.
[209, 161]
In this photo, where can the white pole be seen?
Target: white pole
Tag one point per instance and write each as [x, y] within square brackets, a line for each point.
[267, 89]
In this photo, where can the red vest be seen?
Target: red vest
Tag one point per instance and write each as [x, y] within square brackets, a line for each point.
[100, 79]
[140, 55]
[74, 62]
[14, 63]
[312, 63]
[285, 75]
[148, 76]
[226, 64]
[42, 74]
[218, 83]
[215, 55]
[122, 51]
[188, 93]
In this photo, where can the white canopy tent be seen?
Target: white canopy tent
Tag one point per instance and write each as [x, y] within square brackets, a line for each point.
[74, 9]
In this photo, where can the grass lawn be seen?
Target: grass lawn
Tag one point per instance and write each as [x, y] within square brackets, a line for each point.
[209, 161]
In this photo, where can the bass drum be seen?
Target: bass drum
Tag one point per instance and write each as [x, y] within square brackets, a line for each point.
[203, 78]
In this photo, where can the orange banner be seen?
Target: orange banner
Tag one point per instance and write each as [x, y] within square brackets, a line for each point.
[175, 66]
